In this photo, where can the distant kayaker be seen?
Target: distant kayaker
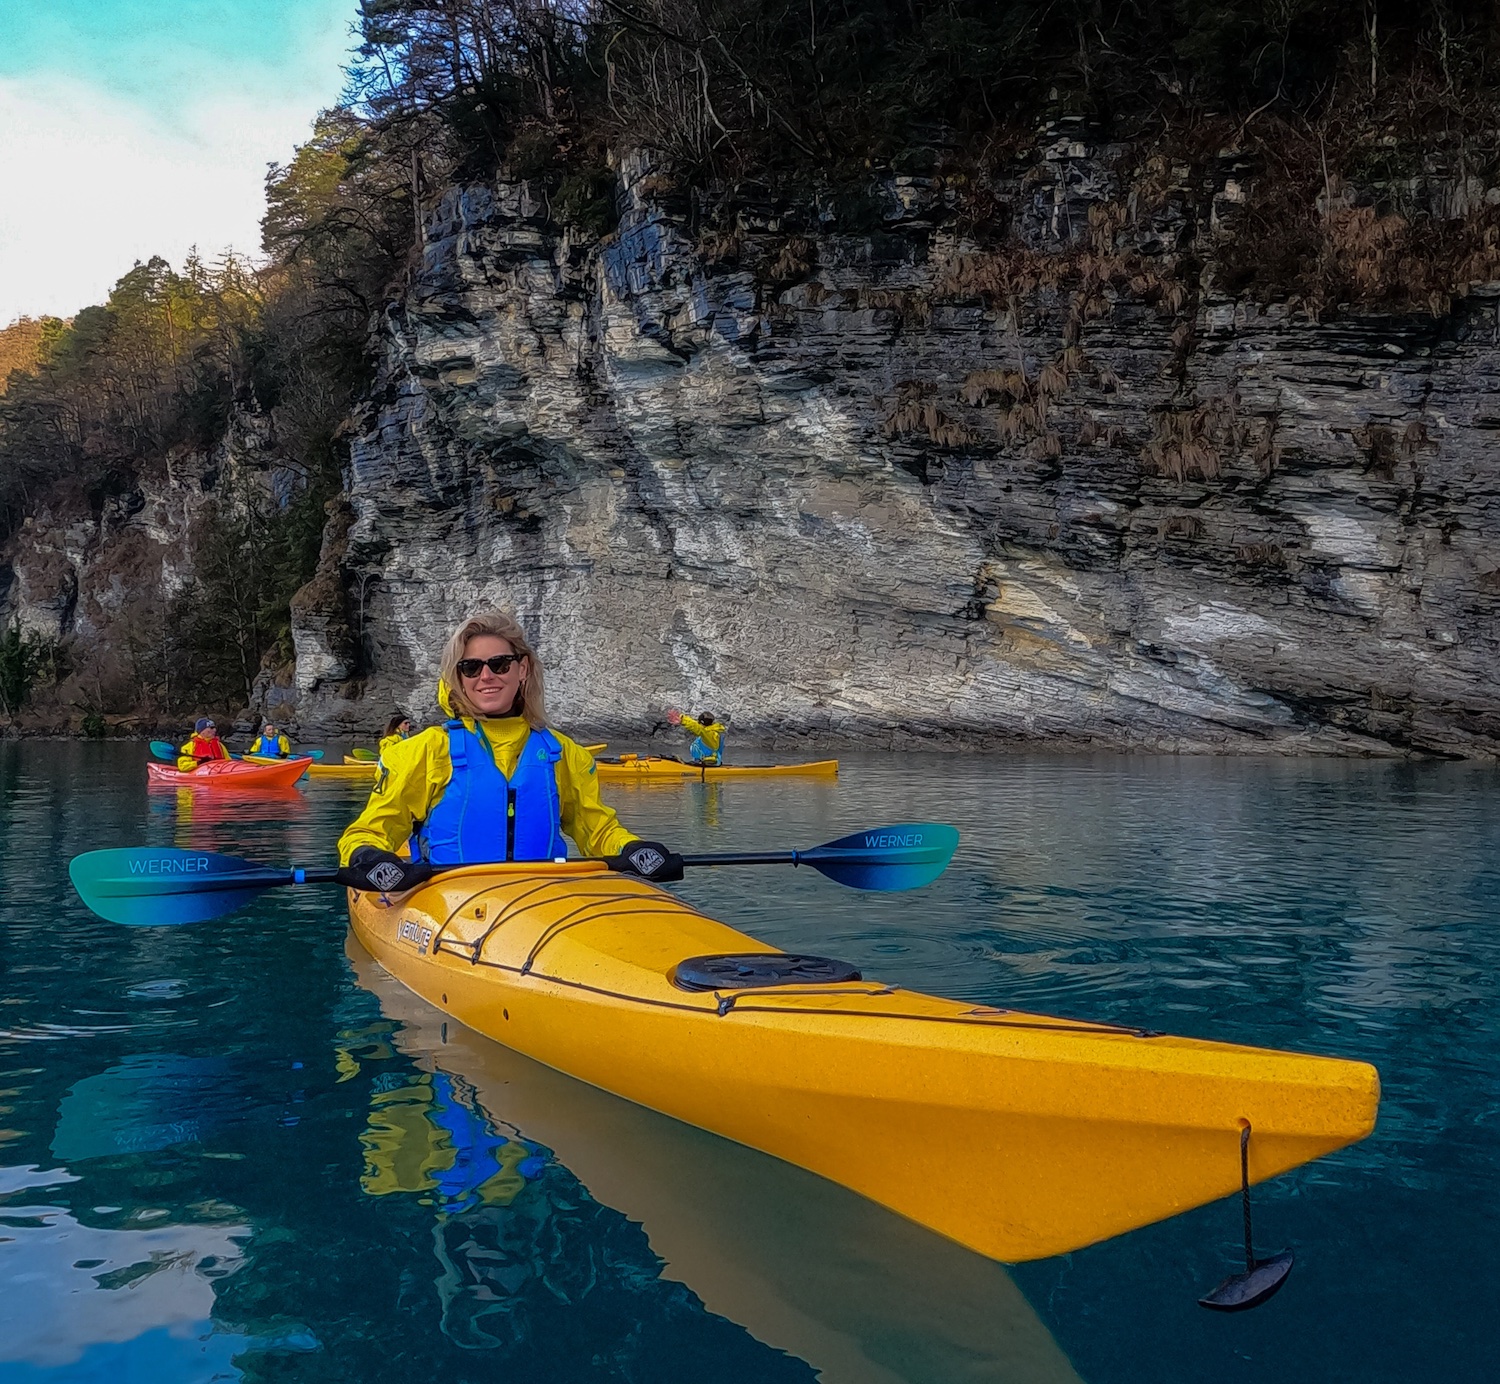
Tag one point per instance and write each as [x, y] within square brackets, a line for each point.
[270, 743]
[397, 729]
[202, 745]
[708, 735]
[493, 782]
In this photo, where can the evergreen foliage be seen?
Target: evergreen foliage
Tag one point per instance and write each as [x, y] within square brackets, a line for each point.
[26, 658]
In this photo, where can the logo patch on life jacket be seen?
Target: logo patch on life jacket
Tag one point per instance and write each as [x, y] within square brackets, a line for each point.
[386, 875]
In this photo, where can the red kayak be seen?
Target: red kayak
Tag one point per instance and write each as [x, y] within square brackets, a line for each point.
[230, 773]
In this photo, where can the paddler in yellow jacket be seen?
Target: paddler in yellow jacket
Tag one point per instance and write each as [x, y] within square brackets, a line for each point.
[202, 745]
[397, 729]
[708, 732]
[494, 782]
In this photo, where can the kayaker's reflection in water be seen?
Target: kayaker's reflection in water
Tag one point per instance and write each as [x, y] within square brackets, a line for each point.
[493, 782]
[519, 1240]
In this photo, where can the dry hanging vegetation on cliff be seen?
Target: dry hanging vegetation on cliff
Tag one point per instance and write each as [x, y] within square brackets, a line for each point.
[1366, 134]
[1368, 129]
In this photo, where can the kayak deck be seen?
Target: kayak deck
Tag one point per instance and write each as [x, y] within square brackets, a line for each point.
[230, 773]
[1015, 1134]
[654, 767]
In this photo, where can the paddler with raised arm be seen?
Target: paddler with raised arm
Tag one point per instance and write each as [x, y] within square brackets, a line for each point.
[708, 734]
[493, 782]
[202, 745]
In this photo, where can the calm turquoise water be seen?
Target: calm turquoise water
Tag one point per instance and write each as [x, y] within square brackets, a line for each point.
[240, 1150]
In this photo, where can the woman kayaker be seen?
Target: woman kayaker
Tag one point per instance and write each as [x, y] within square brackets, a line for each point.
[270, 743]
[202, 745]
[397, 729]
[708, 732]
[493, 782]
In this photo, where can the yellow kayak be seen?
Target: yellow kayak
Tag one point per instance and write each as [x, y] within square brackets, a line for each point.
[629, 766]
[1015, 1134]
[371, 765]
[349, 769]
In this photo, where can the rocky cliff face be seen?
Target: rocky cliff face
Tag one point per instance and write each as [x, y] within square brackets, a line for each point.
[832, 468]
[875, 483]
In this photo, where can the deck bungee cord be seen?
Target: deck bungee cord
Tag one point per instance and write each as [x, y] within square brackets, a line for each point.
[607, 907]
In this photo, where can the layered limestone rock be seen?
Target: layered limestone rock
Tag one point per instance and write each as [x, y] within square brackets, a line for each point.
[877, 484]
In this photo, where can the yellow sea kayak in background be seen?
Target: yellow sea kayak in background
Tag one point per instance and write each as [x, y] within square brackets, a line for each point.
[1015, 1134]
[349, 769]
[629, 766]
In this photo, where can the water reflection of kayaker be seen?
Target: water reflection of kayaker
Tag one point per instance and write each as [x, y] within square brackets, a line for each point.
[708, 735]
[270, 743]
[427, 1136]
[202, 745]
[493, 782]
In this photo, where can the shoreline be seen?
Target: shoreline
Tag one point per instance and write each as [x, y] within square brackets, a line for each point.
[823, 744]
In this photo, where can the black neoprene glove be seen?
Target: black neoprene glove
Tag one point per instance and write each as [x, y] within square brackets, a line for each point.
[381, 872]
[648, 859]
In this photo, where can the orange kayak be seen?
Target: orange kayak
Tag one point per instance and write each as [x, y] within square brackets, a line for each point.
[229, 773]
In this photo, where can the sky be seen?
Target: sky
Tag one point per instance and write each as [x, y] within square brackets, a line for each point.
[132, 128]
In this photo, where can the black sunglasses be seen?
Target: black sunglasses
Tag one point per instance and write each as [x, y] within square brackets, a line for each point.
[498, 665]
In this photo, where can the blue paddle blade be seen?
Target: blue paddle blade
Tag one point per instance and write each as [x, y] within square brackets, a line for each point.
[906, 856]
[162, 750]
[159, 887]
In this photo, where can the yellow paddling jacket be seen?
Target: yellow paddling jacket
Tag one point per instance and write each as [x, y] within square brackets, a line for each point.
[710, 742]
[415, 771]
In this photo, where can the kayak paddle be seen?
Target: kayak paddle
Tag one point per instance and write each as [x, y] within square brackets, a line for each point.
[164, 885]
[364, 755]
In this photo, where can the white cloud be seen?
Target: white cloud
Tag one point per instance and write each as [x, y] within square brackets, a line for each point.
[89, 184]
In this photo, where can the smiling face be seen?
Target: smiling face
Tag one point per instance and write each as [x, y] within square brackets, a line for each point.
[490, 693]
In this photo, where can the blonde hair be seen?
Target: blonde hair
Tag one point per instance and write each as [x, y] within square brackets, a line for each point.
[501, 626]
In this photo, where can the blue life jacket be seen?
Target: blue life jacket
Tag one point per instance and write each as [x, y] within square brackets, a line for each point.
[484, 816]
[700, 749]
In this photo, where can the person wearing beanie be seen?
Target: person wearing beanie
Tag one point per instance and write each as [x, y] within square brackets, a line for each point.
[202, 745]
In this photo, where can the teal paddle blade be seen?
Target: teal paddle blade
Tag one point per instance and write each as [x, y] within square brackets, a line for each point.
[162, 750]
[165, 886]
[890, 859]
